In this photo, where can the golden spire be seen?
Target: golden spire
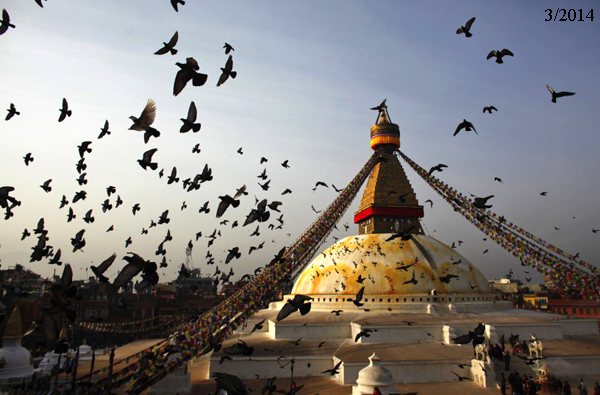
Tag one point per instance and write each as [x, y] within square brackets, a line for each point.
[384, 133]
[13, 329]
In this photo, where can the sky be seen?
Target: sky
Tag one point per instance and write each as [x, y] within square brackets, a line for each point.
[308, 74]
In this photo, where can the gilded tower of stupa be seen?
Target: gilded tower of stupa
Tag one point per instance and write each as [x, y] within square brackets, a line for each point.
[389, 203]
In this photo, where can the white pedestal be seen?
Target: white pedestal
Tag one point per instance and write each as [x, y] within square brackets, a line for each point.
[483, 373]
[449, 333]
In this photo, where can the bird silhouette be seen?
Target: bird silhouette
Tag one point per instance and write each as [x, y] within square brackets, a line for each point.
[466, 29]
[499, 55]
[412, 280]
[12, 111]
[226, 201]
[204, 209]
[64, 111]
[5, 22]
[146, 118]
[46, 186]
[188, 71]
[146, 160]
[100, 269]
[320, 183]
[489, 109]
[480, 202]
[104, 130]
[556, 95]
[362, 333]
[164, 218]
[439, 168]
[88, 218]
[78, 242]
[380, 107]
[135, 265]
[230, 383]
[335, 370]
[300, 302]
[265, 186]
[196, 149]
[175, 4]
[227, 71]
[285, 164]
[466, 125]
[173, 176]
[84, 148]
[228, 48]
[359, 296]
[169, 47]
[189, 122]
[28, 159]
[232, 254]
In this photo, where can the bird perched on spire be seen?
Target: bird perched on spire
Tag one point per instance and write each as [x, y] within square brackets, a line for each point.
[380, 107]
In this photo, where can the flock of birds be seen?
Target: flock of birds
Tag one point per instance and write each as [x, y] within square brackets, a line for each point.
[498, 55]
[65, 293]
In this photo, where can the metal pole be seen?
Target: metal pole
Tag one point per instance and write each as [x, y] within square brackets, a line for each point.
[92, 364]
[110, 368]
[74, 381]
[57, 371]
[292, 367]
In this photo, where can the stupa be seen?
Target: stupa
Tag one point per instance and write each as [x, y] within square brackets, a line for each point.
[16, 365]
[418, 294]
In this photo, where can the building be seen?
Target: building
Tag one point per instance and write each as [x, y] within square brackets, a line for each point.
[395, 291]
